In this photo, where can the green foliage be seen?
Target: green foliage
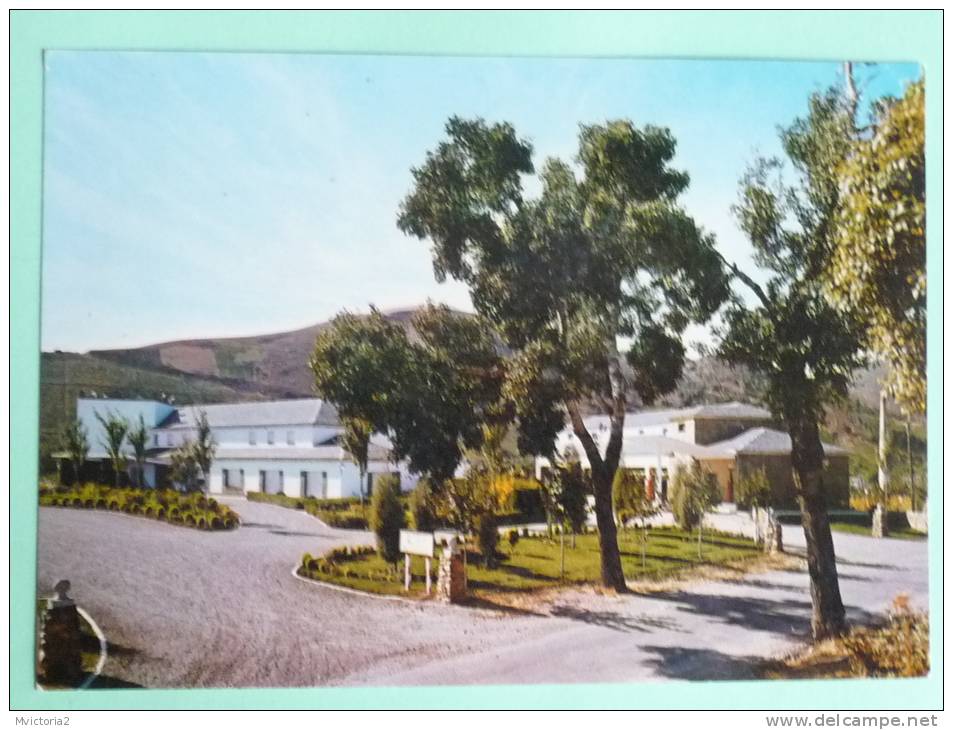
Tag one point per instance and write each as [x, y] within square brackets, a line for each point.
[138, 438]
[193, 510]
[877, 266]
[421, 505]
[115, 427]
[692, 493]
[387, 517]
[76, 444]
[570, 490]
[203, 447]
[629, 498]
[754, 489]
[184, 468]
[488, 536]
[562, 276]
[343, 512]
[432, 395]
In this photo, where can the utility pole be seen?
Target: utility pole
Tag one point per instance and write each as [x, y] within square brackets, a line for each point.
[883, 479]
[913, 493]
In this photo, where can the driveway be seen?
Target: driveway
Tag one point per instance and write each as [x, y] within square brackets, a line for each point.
[183, 608]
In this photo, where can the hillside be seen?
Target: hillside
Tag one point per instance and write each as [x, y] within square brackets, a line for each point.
[64, 376]
[278, 361]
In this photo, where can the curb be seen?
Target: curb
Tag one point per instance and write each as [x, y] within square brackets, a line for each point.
[354, 591]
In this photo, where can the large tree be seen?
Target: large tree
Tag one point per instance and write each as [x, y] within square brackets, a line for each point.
[603, 255]
[805, 348]
[877, 266]
[431, 396]
[138, 438]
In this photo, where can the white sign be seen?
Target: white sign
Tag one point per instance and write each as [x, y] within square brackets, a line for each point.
[416, 543]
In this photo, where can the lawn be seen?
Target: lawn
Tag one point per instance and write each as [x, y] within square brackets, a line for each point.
[901, 533]
[534, 563]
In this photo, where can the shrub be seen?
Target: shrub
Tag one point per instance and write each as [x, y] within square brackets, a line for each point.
[513, 536]
[488, 536]
[754, 490]
[898, 649]
[387, 517]
[694, 491]
[420, 503]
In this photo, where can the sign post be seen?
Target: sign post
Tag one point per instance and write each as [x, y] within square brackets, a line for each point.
[413, 542]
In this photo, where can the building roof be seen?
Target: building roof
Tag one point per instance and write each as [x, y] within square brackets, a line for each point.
[663, 446]
[640, 419]
[763, 441]
[296, 412]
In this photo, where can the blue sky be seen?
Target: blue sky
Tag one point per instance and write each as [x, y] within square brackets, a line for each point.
[200, 195]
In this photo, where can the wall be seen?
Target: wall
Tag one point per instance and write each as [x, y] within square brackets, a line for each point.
[777, 467]
[710, 430]
[723, 469]
[152, 413]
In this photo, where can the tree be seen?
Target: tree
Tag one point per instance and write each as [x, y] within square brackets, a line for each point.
[632, 503]
[430, 396]
[115, 428]
[356, 440]
[203, 447]
[570, 497]
[76, 445]
[694, 492]
[184, 467]
[421, 507]
[387, 517]
[754, 489]
[564, 276]
[877, 265]
[138, 438]
[488, 536]
[806, 348]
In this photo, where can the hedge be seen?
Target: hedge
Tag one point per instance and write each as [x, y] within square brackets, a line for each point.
[191, 509]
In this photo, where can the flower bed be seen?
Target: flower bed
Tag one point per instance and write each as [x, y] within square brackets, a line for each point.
[178, 508]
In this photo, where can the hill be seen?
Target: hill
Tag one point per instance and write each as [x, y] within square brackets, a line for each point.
[276, 361]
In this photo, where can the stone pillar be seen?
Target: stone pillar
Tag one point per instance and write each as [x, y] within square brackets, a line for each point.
[879, 526]
[451, 575]
[61, 659]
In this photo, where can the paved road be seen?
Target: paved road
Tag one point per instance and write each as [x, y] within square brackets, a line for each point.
[188, 608]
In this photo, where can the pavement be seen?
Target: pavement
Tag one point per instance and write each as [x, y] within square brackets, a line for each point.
[183, 608]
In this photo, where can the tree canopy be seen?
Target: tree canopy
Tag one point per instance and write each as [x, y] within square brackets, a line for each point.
[877, 266]
[602, 256]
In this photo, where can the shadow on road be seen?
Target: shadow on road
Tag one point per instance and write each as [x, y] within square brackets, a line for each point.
[615, 620]
[679, 662]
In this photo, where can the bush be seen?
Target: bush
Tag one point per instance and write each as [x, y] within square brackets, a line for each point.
[899, 649]
[488, 536]
[754, 490]
[694, 491]
[513, 536]
[387, 517]
[420, 504]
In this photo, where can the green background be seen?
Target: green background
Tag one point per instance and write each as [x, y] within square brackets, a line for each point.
[827, 35]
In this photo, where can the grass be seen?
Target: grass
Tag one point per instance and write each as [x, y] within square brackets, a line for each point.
[901, 533]
[534, 563]
[345, 513]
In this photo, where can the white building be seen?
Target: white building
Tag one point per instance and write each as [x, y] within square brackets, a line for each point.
[288, 446]
[729, 439]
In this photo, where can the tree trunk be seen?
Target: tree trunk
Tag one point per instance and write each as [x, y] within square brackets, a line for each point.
[603, 471]
[807, 461]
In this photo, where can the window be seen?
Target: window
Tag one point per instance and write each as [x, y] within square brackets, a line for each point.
[241, 478]
[324, 485]
[681, 428]
[155, 439]
[304, 484]
[291, 438]
[271, 437]
[225, 478]
[370, 484]
[281, 482]
[261, 480]
[251, 437]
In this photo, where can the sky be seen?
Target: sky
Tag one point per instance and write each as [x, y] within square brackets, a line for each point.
[205, 195]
